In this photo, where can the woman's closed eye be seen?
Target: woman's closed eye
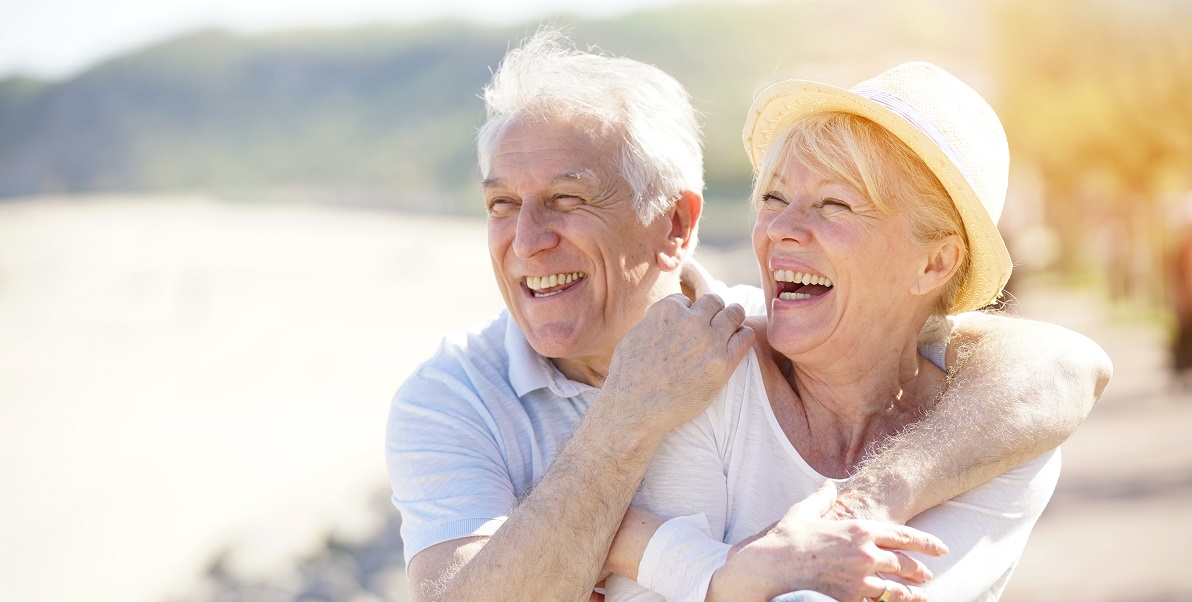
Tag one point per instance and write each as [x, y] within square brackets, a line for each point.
[832, 204]
[773, 201]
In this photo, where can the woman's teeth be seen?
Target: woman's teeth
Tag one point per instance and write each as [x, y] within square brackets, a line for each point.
[541, 283]
[793, 296]
[799, 278]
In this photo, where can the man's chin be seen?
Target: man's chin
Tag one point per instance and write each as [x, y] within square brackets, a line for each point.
[553, 340]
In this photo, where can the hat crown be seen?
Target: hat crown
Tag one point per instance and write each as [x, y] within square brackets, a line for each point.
[955, 117]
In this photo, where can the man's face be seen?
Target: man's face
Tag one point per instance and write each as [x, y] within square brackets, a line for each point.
[575, 265]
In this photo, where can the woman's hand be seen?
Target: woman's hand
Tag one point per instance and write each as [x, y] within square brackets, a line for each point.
[804, 551]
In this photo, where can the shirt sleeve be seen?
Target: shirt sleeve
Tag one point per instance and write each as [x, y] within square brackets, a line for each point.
[449, 477]
[986, 530]
[686, 479]
[684, 542]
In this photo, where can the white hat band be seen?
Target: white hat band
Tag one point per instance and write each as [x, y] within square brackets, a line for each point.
[910, 113]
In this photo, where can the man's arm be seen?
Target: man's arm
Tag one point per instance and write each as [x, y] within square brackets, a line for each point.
[554, 543]
[1018, 388]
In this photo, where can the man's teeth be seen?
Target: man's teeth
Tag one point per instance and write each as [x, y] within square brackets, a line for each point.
[801, 278]
[537, 283]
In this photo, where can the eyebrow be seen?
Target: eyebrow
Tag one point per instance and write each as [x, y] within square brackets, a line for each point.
[820, 182]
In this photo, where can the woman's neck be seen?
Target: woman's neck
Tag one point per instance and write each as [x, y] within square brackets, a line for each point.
[835, 406]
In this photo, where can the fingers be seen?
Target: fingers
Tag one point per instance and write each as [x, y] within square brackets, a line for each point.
[728, 318]
[678, 298]
[740, 342]
[897, 563]
[897, 537]
[876, 588]
[816, 504]
[724, 318]
[708, 305]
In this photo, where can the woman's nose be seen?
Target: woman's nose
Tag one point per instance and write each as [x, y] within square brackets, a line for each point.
[791, 224]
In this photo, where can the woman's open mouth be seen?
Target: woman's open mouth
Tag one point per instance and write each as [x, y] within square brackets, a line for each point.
[546, 286]
[792, 286]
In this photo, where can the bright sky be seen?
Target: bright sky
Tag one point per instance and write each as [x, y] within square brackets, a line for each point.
[53, 38]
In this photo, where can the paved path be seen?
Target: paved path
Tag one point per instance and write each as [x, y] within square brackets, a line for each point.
[1118, 526]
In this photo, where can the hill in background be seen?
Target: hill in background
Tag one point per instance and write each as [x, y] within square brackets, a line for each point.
[386, 115]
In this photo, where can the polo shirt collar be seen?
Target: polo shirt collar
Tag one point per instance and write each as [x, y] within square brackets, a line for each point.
[530, 371]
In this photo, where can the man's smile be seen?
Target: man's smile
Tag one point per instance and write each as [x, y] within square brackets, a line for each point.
[545, 286]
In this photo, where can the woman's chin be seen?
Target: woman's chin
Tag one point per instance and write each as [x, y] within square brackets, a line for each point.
[791, 339]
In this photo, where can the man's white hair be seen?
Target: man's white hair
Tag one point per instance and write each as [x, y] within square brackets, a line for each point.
[643, 108]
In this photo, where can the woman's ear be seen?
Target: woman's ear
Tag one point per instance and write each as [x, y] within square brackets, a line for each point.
[683, 223]
[939, 264]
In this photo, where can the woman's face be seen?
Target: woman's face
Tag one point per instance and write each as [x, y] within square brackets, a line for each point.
[836, 271]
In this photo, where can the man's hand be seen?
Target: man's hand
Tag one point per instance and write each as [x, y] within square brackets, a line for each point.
[665, 371]
[690, 350]
[842, 559]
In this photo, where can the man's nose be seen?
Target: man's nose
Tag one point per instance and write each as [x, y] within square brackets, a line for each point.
[535, 232]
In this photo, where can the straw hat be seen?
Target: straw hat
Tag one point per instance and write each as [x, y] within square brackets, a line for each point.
[942, 120]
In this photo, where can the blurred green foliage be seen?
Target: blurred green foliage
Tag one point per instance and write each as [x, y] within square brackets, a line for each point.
[387, 114]
[1095, 96]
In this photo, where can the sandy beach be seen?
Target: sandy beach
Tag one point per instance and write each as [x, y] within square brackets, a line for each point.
[184, 380]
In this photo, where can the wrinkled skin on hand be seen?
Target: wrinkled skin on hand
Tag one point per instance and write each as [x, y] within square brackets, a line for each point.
[670, 366]
[842, 559]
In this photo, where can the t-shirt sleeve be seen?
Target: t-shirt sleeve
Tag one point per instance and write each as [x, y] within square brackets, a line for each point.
[448, 475]
[986, 530]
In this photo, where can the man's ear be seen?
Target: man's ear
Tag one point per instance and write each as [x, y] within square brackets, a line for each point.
[683, 220]
[939, 264]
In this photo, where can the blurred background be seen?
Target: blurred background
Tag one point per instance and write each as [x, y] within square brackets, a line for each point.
[229, 231]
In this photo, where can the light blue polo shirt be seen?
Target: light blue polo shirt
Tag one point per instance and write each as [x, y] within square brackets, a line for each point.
[475, 426]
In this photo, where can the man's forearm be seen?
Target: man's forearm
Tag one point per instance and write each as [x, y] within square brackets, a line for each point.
[1017, 389]
[554, 543]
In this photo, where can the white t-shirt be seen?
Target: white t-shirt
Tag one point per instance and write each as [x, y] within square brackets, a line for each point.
[475, 426]
[734, 467]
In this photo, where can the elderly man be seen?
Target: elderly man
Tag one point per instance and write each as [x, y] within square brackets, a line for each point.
[515, 451]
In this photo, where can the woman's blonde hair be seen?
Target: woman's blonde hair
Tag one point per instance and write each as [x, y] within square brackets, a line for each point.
[869, 158]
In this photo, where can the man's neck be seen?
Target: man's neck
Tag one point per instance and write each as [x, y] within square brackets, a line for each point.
[590, 371]
[593, 369]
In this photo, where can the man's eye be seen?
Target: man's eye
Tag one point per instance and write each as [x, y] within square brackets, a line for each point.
[566, 202]
[500, 207]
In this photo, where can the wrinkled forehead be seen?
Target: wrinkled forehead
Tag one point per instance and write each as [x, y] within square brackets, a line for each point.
[555, 148]
[586, 128]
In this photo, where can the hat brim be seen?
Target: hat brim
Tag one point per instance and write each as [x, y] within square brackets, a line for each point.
[782, 104]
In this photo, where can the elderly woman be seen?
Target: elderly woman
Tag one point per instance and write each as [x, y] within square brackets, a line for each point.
[876, 220]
